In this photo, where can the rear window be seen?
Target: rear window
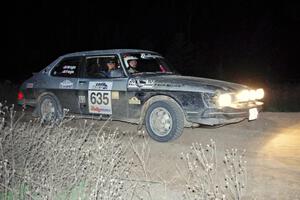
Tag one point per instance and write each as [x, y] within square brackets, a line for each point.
[68, 67]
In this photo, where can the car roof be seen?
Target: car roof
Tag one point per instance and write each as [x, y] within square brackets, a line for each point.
[108, 51]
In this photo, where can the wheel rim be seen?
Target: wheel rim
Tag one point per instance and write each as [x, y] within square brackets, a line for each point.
[48, 110]
[161, 121]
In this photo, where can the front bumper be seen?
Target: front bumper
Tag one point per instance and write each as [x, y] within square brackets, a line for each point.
[217, 116]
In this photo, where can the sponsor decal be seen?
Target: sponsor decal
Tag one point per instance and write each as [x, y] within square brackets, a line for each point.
[115, 95]
[29, 85]
[95, 85]
[147, 56]
[81, 99]
[137, 83]
[134, 100]
[95, 109]
[69, 72]
[68, 69]
[132, 83]
[66, 84]
[168, 85]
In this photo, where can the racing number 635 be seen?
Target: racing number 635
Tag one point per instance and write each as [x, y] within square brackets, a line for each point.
[100, 102]
[99, 98]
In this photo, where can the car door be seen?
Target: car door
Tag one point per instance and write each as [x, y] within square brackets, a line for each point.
[99, 94]
[64, 80]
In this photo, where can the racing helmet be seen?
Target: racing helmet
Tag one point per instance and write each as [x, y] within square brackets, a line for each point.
[129, 58]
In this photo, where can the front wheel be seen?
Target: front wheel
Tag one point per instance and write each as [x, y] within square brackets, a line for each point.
[164, 121]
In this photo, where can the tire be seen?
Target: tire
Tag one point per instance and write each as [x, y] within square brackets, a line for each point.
[49, 108]
[164, 121]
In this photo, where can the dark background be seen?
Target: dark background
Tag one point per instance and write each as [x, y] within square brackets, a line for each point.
[249, 42]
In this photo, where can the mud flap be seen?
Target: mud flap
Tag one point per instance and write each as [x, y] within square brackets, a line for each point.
[35, 112]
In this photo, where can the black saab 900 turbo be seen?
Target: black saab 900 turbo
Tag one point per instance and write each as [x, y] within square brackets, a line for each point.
[136, 86]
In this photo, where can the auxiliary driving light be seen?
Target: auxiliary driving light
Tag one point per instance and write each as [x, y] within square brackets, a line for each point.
[250, 95]
[260, 93]
[224, 100]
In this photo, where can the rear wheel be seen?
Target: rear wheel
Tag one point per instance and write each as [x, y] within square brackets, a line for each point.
[164, 121]
[49, 108]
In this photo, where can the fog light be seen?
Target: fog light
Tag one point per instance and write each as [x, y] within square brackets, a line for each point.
[252, 95]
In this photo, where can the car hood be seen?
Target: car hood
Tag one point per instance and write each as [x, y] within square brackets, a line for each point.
[183, 83]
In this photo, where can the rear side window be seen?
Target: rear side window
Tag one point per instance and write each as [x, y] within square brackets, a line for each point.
[68, 67]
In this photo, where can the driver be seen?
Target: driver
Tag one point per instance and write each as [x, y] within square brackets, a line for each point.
[131, 64]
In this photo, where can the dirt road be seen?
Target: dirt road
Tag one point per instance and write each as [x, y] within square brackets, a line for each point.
[272, 145]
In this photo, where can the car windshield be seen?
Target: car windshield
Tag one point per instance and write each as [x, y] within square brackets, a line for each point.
[148, 63]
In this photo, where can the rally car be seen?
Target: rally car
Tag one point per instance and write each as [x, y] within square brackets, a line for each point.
[144, 90]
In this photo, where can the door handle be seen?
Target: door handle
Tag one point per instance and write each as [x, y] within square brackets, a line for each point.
[82, 82]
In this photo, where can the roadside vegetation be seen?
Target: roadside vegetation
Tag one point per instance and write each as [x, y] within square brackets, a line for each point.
[60, 161]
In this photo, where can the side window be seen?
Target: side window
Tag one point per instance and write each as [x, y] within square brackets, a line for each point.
[107, 66]
[68, 67]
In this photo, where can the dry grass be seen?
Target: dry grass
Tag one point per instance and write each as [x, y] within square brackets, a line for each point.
[53, 161]
[60, 161]
[202, 175]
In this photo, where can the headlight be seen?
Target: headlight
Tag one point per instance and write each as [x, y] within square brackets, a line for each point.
[224, 100]
[251, 95]
[260, 93]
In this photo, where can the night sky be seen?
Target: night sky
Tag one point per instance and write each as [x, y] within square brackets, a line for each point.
[231, 40]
